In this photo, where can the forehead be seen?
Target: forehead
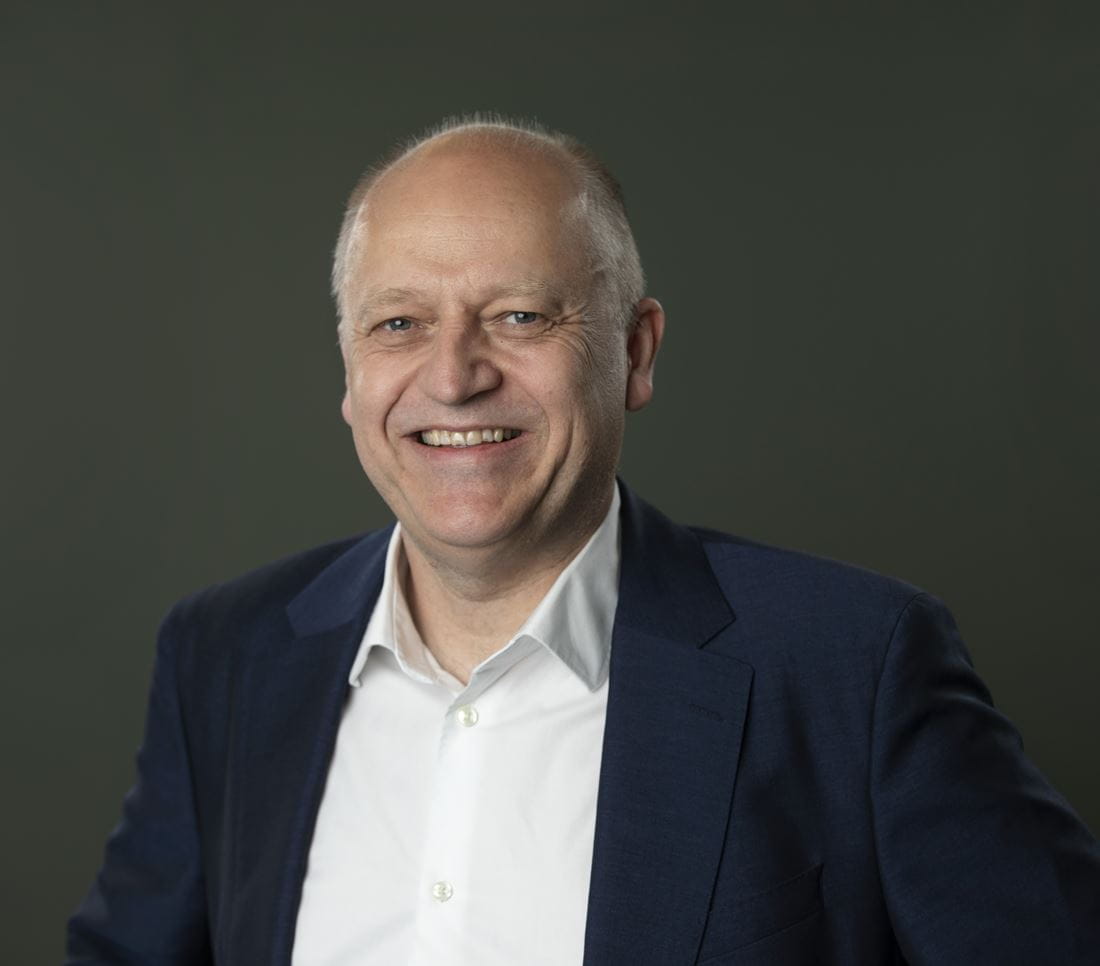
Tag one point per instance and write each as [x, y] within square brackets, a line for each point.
[472, 176]
[462, 203]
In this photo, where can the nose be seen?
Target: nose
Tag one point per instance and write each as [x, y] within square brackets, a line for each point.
[458, 365]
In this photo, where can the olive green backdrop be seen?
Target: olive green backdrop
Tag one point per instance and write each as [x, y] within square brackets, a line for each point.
[874, 228]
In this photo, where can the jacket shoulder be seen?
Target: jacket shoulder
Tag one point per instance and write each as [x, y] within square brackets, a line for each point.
[255, 603]
[795, 599]
[737, 557]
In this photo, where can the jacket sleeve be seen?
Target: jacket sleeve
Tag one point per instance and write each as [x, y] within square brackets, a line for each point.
[147, 905]
[981, 861]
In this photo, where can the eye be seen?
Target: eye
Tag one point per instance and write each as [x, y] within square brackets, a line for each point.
[523, 318]
[396, 325]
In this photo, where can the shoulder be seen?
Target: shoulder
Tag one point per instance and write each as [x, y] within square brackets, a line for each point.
[794, 575]
[255, 604]
[788, 600]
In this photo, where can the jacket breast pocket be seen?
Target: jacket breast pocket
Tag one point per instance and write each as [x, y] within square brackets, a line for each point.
[786, 911]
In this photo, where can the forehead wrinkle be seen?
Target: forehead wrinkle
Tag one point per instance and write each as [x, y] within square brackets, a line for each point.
[521, 288]
[384, 298]
[431, 226]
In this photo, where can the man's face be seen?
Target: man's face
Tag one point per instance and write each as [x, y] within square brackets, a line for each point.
[470, 314]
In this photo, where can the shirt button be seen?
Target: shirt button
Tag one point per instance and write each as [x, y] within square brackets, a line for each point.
[442, 891]
[467, 716]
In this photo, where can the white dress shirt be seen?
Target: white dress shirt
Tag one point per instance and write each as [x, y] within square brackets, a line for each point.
[457, 823]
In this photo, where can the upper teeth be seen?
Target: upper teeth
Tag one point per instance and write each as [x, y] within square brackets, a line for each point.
[473, 437]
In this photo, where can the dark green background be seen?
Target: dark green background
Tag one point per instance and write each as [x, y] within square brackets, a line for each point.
[875, 230]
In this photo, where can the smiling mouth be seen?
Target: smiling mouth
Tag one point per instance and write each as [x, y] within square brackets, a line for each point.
[463, 438]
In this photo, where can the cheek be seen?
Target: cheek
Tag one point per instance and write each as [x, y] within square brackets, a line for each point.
[603, 383]
[371, 394]
[579, 391]
[552, 376]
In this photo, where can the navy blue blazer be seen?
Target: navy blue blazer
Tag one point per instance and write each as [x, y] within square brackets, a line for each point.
[800, 766]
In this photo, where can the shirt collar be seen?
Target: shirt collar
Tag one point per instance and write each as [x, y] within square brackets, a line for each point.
[573, 621]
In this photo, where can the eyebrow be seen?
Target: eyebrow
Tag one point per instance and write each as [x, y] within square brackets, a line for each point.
[524, 288]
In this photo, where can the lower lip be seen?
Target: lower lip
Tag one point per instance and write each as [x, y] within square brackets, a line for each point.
[479, 451]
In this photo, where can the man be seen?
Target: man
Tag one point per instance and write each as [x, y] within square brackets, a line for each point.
[536, 722]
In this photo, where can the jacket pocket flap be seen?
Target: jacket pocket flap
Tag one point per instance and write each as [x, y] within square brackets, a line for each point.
[762, 914]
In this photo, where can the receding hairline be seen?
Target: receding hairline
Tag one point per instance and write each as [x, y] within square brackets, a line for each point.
[467, 140]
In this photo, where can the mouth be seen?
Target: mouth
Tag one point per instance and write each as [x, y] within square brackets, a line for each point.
[461, 439]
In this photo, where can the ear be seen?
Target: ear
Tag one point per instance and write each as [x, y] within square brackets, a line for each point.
[345, 407]
[641, 349]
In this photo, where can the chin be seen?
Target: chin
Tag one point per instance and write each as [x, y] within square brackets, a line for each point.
[465, 524]
[473, 537]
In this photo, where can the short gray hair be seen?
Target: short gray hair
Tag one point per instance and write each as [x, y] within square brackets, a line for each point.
[612, 247]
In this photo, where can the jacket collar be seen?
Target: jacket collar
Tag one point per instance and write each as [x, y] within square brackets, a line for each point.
[667, 587]
[345, 591]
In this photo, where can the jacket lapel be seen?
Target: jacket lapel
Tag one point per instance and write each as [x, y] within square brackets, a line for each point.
[293, 692]
[672, 738]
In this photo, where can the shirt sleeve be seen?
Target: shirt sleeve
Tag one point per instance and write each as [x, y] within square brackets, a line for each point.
[147, 904]
[981, 860]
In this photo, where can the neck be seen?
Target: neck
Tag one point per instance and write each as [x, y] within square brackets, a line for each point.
[467, 609]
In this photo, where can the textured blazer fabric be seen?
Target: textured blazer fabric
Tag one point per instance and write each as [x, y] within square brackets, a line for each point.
[800, 766]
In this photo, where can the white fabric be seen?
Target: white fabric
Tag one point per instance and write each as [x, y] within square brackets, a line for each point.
[457, 822]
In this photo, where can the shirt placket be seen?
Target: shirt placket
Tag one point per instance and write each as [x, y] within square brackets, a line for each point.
[445, 906]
